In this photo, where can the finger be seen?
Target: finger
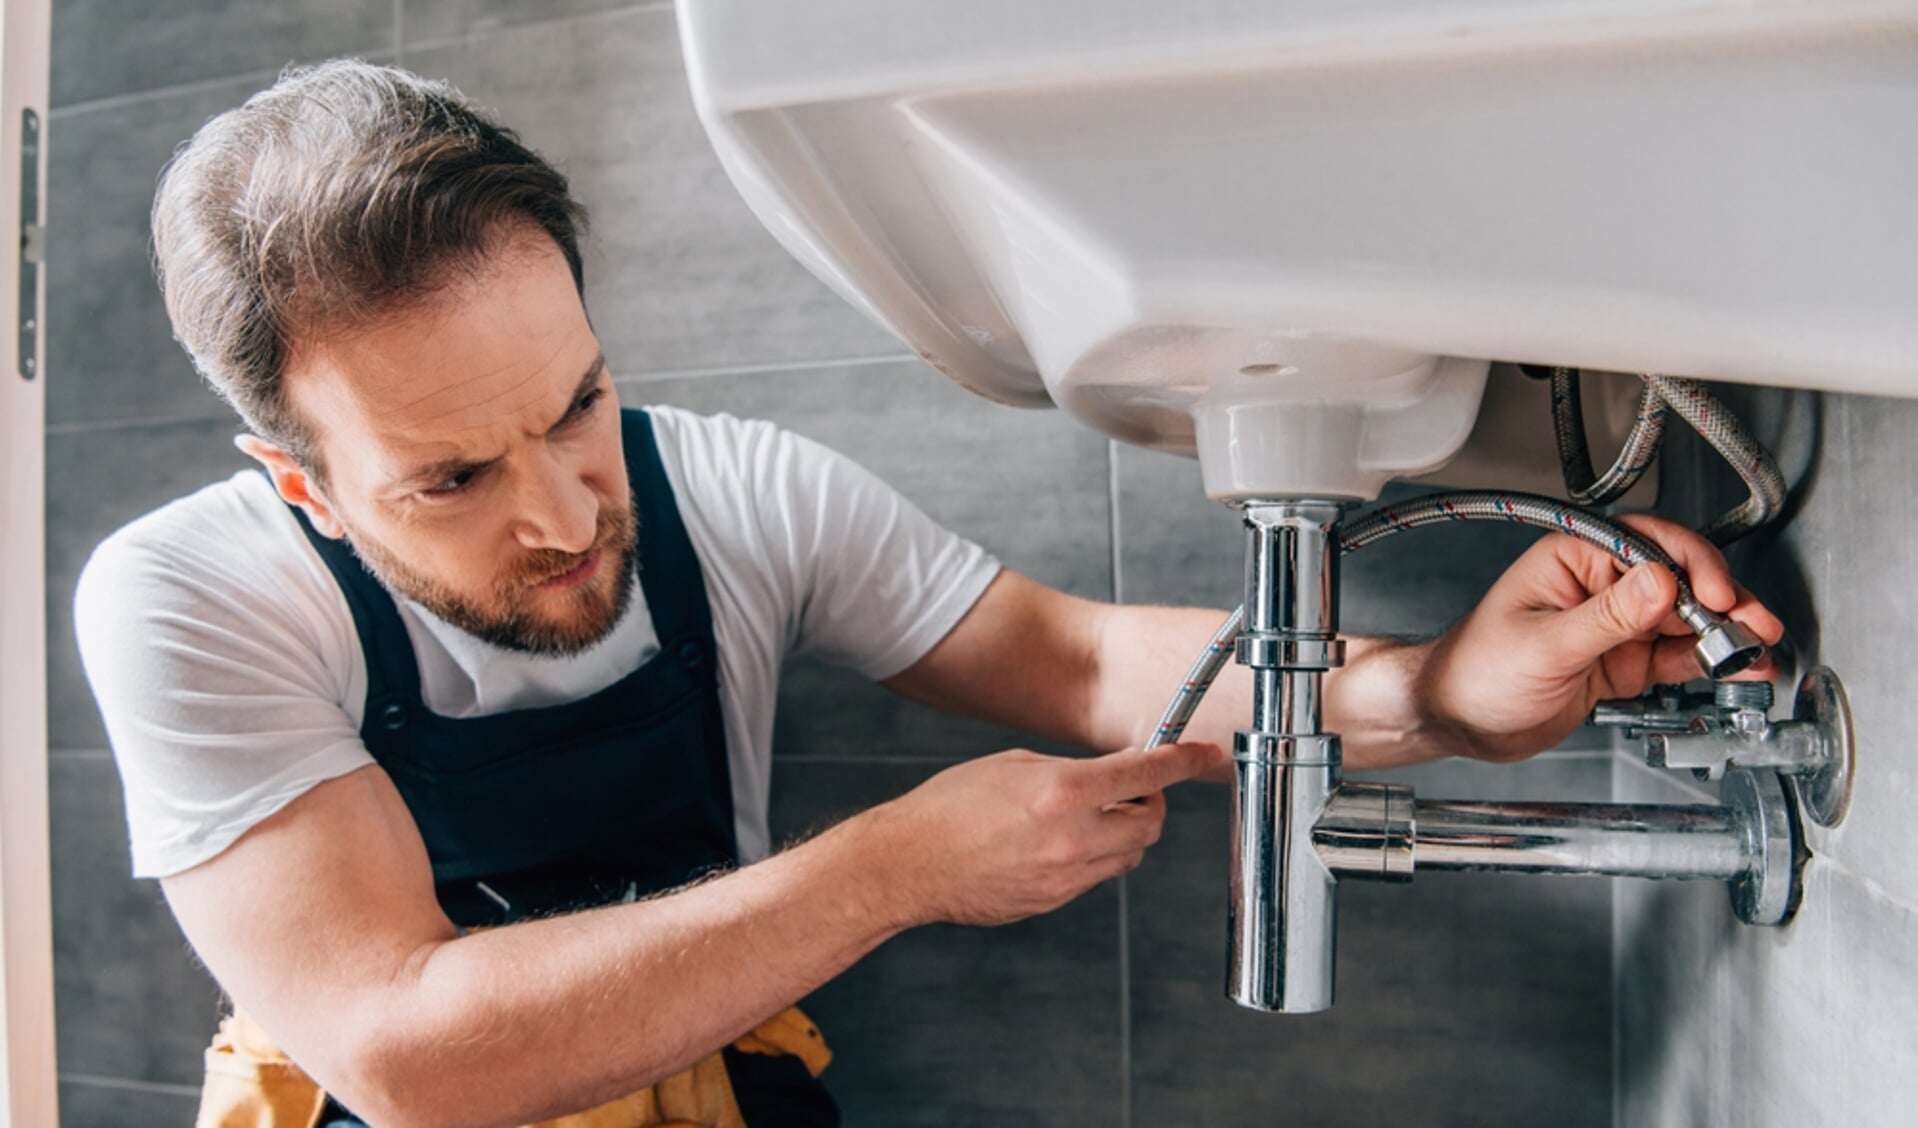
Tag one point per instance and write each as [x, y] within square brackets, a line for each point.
[1134, 773]
[1767, 626]
[1628, 610]
[1702, 563]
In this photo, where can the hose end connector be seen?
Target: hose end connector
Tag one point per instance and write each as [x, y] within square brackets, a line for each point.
[1725, 646]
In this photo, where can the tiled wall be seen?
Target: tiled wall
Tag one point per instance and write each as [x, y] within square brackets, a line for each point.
[1463, 1000]
[1816, 1023]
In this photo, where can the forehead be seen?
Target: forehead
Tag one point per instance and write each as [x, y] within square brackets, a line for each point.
[492, 354]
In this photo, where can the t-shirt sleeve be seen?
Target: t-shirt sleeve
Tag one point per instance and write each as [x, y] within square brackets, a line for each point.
[870, 581]
[210, 666]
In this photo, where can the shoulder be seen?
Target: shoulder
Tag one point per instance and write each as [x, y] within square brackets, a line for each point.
[694, 446]
[739, 461]
[228, 556]
[234, 529]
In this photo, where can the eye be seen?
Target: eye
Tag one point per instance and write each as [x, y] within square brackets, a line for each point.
[583, 406]
[453, 485]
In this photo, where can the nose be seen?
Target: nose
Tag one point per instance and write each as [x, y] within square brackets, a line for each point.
[557, 507]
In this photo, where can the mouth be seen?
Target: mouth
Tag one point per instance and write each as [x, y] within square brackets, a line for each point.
[574, 576]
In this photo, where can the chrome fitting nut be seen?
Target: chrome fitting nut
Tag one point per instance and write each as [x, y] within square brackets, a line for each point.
[1726, 648]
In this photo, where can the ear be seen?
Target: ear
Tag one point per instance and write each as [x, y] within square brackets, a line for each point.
[293, 484]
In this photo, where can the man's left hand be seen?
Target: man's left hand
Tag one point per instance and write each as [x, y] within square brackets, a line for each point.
[1566, 627]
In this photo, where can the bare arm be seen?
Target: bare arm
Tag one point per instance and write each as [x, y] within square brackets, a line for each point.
[321, 922]
[1097, 675]
[1557, 633]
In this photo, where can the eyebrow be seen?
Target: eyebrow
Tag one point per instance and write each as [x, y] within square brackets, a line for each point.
[436, 472]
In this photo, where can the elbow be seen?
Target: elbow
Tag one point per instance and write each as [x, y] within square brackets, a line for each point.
[378, 1079]
[393, 1070]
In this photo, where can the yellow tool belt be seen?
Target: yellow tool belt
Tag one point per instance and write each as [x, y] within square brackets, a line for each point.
[251, 1084]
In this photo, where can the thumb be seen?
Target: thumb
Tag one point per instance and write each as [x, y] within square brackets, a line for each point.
[1625, 611]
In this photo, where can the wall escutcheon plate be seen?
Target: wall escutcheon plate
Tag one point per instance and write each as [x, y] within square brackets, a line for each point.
[1825, 795]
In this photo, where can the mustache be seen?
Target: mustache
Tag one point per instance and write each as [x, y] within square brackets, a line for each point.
[613, 527]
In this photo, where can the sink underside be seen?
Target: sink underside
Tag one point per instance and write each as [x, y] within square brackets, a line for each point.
[1122, 207]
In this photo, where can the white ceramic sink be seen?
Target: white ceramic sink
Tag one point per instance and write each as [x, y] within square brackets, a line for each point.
[1295, 231]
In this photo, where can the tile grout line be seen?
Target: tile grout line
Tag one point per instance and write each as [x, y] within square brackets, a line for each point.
[1114, 528]
[1872, 885]
[85, 753]
[469, 37]
[128, 1084]
[89, 426]
[760, 369]
[197, 86]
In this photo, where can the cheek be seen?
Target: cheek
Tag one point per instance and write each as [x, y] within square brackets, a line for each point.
[464, 556]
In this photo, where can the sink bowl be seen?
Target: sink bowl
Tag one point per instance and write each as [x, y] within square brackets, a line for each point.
[1290, 235]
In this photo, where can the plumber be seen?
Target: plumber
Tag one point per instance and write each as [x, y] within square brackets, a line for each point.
[447, 732]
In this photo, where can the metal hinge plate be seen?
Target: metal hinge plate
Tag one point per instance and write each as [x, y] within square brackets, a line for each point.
[33, 245]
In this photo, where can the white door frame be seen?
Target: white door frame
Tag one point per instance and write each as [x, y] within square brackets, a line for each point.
[29, 1092]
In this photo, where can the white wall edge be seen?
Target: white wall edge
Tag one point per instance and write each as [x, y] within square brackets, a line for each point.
[29, 1088]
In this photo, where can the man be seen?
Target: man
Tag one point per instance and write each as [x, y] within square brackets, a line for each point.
[448, 735]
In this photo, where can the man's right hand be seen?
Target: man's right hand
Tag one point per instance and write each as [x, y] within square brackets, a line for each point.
[1016, 834]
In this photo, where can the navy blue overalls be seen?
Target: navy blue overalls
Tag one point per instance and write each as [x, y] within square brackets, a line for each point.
[571, 806]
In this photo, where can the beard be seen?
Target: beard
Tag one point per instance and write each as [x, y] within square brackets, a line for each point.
[506, 616]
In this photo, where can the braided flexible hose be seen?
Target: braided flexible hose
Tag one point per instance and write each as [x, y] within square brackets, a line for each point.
[1178, 713]
[1574, 456]
[1731, 648]
[1715, 423]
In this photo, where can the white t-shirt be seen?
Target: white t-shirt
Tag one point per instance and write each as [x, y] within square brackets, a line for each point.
[231, 679]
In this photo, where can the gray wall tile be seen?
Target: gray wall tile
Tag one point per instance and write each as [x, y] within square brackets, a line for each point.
[1846, 565]
[1463, 999]
[84, 1105]
[103, 48]
[97, 481]
[680, 275]
[964, 1026]
[1720, 1023]
[110, 351]
[429, 21]
[1811, 1023]
[131, 999]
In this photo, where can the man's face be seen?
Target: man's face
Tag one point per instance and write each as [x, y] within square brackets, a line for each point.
[472, 452]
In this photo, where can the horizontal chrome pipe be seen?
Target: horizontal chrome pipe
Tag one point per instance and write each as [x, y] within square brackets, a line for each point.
[1380, 831]
[1611, 839]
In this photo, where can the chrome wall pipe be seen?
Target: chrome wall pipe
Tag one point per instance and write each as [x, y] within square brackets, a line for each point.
[1298, 827]
[1380, 831]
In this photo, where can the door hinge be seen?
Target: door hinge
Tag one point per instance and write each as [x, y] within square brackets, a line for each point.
[33, 245]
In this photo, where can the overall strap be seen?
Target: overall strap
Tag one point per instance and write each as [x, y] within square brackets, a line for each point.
[669, 571]
[392, 673]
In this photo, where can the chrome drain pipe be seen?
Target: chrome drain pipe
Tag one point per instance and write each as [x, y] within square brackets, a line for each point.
[1283, 903]
[1297, 828]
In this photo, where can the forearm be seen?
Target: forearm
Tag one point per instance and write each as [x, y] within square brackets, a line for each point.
[536, 1020]
[1373, 702]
